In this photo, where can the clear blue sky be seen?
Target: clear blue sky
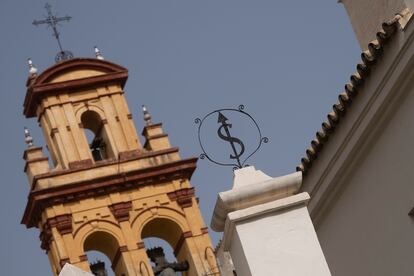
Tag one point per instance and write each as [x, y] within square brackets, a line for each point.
[286, 61]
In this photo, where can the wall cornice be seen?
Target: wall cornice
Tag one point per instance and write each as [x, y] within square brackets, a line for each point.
[79, 166]
[41, 199]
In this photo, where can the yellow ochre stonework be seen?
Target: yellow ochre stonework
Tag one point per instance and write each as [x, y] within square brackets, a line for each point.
[107, 199]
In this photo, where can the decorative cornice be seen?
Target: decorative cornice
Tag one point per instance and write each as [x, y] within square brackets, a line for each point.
[369, 59]
[41, 199]
[63, 223]
[40, 87]
[75, 63]
[121, 210]
[184, 197]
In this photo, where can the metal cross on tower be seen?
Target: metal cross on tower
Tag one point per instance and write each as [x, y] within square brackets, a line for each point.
[53, 21]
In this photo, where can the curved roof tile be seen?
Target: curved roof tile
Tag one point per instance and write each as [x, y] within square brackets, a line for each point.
[369, 58]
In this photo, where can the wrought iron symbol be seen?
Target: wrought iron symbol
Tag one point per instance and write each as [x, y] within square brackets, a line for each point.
[227, 137]
[53, 21]
[237, 149]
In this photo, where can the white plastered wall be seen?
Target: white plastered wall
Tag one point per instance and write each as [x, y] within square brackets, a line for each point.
[368, 230]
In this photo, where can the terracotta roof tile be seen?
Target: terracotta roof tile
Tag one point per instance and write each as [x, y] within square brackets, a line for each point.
[369, 58]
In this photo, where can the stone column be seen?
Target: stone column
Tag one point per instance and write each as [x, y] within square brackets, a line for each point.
[267, 227]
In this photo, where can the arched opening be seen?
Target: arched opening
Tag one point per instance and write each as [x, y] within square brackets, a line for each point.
[168, 251]
[96, 136]
[163, 239]
[99, 263]
[103, 253]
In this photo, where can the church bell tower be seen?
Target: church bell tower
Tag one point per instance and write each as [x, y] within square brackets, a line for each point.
[102, 190]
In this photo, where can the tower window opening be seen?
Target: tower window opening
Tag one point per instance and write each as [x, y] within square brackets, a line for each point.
[162, 259]
[99, 266]
[98, 148]
[101, 248]
[161, 237]
[96, 136]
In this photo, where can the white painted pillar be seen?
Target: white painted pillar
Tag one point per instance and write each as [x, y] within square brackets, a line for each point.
[267, 227]
[71, 270]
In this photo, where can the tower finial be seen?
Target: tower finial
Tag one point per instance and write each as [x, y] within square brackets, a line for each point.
[27, 137]
[98, 53]
[32, 69]
[147, 115]
[52, 21]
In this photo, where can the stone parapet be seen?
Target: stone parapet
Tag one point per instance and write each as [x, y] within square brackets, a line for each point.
[36, 163]
[252, 187]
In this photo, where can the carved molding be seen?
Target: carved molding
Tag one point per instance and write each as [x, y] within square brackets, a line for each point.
[40, 199]
[40, 87]
[121, 210]
[130, 154]
[45, 237]
[184, 197]
[140, 245]
[63, 223]
[143, 155]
